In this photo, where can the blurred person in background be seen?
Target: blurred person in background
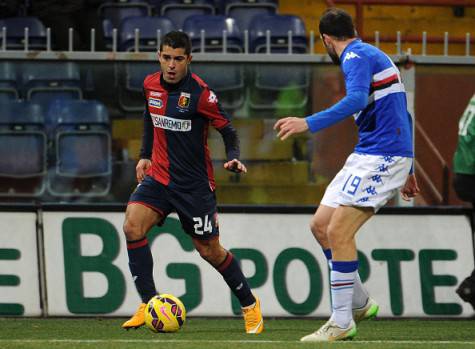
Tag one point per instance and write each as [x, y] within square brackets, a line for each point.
[464, 181]
[81, 15]
[9, 8]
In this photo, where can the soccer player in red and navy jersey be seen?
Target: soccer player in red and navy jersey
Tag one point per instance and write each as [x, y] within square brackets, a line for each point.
[175, 173]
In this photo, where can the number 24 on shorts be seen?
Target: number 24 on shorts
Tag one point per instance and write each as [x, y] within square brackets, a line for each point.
[202, 226]
[352, 184]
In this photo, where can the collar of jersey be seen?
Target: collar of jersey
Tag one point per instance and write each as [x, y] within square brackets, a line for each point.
[173, 87]
[354, 42]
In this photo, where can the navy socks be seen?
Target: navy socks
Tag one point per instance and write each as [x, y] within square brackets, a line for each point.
[141, 267]
[232, 274]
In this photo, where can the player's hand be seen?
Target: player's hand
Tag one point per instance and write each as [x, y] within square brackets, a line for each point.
[235, 166]
[290, 125]
[141, 169]
[410, 189]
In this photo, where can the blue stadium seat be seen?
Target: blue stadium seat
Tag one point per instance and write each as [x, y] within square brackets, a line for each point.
[82, 151]
[107, 28]
[213, 26]
[279, 27]
[150, 29]
[68, 114]
[116, 12]
[15, 27]
[8, 82]
[83, 112]
[22, 113]
[45, 82]
[229, 87]
[155, 4]
[24, 145]
[179, 10]
[245, 10]
[135, 74]
[130, 87]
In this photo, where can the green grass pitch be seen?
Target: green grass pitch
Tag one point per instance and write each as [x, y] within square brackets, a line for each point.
[227, 333]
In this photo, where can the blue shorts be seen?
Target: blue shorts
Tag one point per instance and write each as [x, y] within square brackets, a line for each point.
[197, 209]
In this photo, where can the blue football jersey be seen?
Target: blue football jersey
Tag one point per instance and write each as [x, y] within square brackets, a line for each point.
[385, 127]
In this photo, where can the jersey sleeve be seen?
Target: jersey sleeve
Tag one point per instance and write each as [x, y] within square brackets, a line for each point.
[209, 107]
[147, 135]
[357, 71]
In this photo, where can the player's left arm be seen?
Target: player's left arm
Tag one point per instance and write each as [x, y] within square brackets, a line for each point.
[209, 107]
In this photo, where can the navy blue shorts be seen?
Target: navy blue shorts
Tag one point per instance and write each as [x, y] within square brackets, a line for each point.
[196, 209]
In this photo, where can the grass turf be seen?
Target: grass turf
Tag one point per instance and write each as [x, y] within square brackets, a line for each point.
[214, 333]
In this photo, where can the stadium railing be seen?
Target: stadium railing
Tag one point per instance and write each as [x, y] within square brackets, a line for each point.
[359, 5]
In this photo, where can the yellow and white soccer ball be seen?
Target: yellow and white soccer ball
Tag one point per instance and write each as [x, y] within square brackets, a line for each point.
[165, 313]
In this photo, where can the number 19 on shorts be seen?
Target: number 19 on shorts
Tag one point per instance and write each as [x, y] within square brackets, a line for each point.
[351, 184]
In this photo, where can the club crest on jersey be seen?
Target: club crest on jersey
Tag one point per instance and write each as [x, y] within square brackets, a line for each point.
[154, 102]
[184, 100]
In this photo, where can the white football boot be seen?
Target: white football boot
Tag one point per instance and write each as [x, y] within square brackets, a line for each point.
[367, 312]
[331, 332]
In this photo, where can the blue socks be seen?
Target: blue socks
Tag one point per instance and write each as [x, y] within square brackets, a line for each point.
[360, 295]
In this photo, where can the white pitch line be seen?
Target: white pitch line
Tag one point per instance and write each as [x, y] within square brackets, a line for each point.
[223, 341]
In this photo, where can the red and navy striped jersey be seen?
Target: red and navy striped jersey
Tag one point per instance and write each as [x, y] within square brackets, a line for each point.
[180, 116]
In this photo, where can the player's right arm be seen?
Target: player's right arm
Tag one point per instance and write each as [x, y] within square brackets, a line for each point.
[357, 73]
[147, 142]
[358, 77]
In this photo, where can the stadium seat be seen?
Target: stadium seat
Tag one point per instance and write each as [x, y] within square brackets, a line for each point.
[116, 12]
[276, 89]
[245, 10]
[213, 27]
[8, 82]
[229, 87]
[107, 28]
[279, 27]
[15, 27]
[44, 82]
[130, 87]
[151, 29]
[24, 144]
[82, 151]
[179, 10]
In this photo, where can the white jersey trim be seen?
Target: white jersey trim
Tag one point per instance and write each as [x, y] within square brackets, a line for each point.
[386, 73]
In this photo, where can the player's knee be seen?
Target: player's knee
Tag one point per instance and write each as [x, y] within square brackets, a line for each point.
[132, 230]
[319, 229]
[211, 254]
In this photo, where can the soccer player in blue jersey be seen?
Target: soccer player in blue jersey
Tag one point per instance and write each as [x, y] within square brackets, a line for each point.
[175, 173]
[380, 165]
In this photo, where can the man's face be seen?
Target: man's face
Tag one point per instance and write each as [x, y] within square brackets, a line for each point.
[173, 63]
[328, 43]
